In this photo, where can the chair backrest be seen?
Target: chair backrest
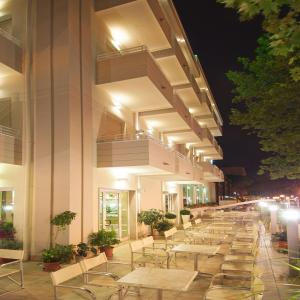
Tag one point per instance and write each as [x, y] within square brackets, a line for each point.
[90, 263]
[148, 241]
[12, 254]
[170, 232]
[66, 274]
[187, 225]
[136, 245]
[198, 221]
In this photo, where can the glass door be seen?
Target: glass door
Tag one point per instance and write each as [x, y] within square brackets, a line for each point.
[113, 212]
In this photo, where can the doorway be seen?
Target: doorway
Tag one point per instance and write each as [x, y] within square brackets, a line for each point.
[114, 212]
[170, 202]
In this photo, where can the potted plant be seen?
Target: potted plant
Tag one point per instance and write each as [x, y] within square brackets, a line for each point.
[84, 251]
[163, 226]
[55, 256]
[171, 217]
[7, 230]
[104, 240]
[51, 259]
[185, 215]
[150, 217]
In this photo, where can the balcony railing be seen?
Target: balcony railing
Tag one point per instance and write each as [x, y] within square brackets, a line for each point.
[9, 131]
[10, 37]
[122, 52]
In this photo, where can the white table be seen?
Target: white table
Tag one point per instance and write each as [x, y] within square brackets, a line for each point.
[196, 250]
[158, 279]
[208, 236]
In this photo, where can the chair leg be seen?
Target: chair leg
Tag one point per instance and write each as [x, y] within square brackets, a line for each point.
[21, 275]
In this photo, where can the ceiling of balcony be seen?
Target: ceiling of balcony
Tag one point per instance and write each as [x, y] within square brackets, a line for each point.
[172, 70]
[133, 24]
[138, 94]
[10, 81]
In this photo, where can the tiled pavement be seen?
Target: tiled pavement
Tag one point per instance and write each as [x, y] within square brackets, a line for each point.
[38, 284]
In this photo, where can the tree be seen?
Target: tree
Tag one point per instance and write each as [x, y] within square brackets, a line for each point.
[281, 22]
[267, 103]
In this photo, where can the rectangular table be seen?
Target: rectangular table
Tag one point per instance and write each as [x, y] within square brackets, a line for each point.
[158, 279]
[196, 250]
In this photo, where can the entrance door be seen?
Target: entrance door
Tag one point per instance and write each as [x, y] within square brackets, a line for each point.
[114, 212]
[170, 200]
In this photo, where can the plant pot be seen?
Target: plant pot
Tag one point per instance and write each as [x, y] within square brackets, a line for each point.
[51, 267]
[185, 218]
[5, 260]
[172, 221]
[108, 251]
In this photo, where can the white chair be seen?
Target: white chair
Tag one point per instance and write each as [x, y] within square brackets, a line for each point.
[7, 272]
[63, 275]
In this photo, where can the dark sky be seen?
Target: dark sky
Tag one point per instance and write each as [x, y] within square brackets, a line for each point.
[218, 38]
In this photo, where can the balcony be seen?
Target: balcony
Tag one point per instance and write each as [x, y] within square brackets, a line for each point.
[139, 154]
[184, 167]
[11, 53]
[10, 146]
[211, 172]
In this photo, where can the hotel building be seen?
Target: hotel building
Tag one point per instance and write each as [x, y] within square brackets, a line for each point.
[104, 111]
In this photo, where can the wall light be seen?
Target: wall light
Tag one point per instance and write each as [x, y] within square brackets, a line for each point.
[291, 214]
[263, 204]
[273, 207]
[119, 37]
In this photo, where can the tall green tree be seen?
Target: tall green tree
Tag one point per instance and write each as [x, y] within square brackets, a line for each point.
[267, 103]
[281, 22]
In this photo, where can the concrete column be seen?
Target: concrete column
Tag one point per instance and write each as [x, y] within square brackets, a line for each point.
[273, 222]
[293, 244]
[63, 148]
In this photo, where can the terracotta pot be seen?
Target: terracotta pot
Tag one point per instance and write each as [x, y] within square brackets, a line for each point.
[108, 251]
[5, 260]
[51, 267]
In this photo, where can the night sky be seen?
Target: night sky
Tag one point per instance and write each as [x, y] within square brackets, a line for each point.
[219, 38]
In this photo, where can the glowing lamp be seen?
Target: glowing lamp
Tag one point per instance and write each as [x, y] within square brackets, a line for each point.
[291, 214]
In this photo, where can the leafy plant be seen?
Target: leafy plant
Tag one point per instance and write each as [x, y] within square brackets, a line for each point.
[150, 217]
[61, 221]
[185, 212]
[50, 255]
[58, 253]
[11, 244]
[82, 249]
[169, 215]
[7, 229]
[163, 225]
[104, 238]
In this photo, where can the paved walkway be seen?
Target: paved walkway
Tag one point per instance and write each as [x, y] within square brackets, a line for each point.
[38, 285]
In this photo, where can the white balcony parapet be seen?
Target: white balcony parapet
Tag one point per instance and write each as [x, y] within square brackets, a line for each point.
[4, 130]
[117, 53]
[10, 37]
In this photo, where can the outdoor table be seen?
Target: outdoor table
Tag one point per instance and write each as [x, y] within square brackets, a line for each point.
[209, 236]
[224, 223]
[237, 267]
[158, 279]
[196, 250]
[239, 258]
[214, 228]
[246, 236]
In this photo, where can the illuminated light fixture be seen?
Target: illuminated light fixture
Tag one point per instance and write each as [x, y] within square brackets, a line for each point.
[291, 214]
[188, 145]
[273, 207]
[119, 37]
[8, 208]
[204, 89]
[150, 130]
[263, 204]
[180, 40]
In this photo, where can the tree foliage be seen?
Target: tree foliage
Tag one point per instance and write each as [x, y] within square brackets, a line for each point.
[267, 103]
[281, 22]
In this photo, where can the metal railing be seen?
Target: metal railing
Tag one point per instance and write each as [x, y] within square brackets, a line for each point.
[4, 130]
[104, 56]
[10, 37]
[139, 136]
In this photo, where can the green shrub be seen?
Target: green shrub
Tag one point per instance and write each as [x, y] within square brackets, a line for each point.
[104, 238]
[150, 217]
[58, 253]
[169, 215]
[11, 244]
[185, 212]
[163, 225]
